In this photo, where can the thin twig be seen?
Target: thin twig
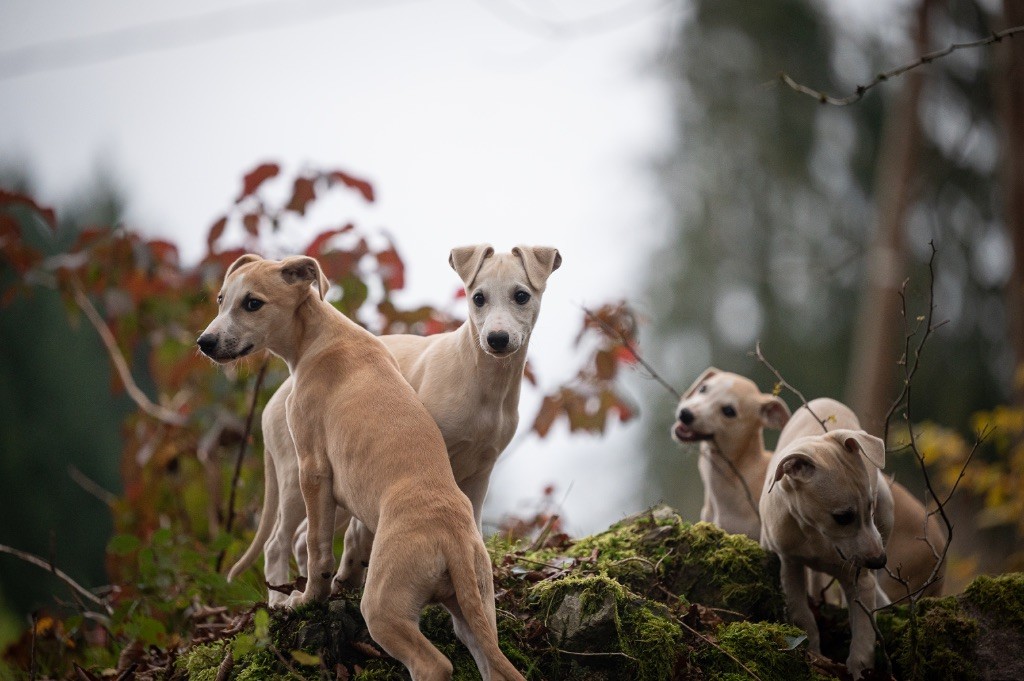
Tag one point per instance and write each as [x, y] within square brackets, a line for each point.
[861, 90]
[157, 411]
[241, 455]
[611, 653]
[785, 384]
[57, 572]
[735, 471]
[878, 636]
[720, 648]
[628, 345]
[542, 536]
[91, 486]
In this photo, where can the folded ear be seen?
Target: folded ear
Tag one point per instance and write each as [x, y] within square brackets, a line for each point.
[242, 260]
[467, 261]
[774, 411]
[855, 441]
[301, 269]
[708, 373]
[799, 467]
[539, 262]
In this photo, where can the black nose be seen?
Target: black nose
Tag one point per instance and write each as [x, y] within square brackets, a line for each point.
[207, 342]
[498, 340]
[686, 416]
[876, 562]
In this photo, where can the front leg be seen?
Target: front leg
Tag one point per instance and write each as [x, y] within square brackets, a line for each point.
[794, 587]
[475, 487]
[860, 597]
[315, 480]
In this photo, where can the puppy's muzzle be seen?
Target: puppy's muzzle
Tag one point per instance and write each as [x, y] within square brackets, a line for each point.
[208, 343]
[498, 341]
[875, 562]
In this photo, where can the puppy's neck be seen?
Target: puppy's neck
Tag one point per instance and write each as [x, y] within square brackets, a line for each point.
[315, 325]
[750, 449]
[502, 375]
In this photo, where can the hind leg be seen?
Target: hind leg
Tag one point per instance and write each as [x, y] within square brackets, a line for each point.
[356, 556]
[290, 512]
[465, 634]
[391, 606]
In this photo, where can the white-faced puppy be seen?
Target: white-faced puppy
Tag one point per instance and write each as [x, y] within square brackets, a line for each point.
[825, 505]
[364, 442]
[727, 413]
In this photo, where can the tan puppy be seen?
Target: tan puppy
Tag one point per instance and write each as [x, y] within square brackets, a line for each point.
[365, 443]
[826, 506]
[469, 380]
[727, 413]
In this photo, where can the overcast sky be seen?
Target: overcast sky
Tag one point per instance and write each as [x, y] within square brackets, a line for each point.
[501, 121]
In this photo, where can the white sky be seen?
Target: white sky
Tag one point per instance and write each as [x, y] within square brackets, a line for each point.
[472, 126]
[474, 122]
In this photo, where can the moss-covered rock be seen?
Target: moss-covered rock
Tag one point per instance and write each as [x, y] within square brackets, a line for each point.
[651, 598]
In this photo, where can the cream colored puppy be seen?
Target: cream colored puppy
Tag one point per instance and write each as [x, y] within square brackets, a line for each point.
[469, 380]
[727, 413]
[364, 442]
[826, 506]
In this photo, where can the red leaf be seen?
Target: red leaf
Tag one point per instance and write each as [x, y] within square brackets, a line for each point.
[460, 293]
[302, 194]
[361, 186]
[528, 373]
[546, 415]
[623, 354]
[606, 366]
[14, 199]
[215, 232]
[251, 222]
[259, 175]
[392, 269]
[316, 247]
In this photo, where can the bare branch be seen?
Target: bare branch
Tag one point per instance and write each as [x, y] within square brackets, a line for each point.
[58, 573]
[628, 345]
[91, 486]
[121, 366]
[761, 358]
[243, 445]
[861, 90]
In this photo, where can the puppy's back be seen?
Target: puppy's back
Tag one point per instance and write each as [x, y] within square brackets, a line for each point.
[835, 414]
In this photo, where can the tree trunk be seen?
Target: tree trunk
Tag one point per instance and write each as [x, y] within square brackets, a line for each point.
[873, 358]
[1009, 84]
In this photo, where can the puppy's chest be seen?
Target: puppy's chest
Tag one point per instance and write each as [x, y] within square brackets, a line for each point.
[475, 439]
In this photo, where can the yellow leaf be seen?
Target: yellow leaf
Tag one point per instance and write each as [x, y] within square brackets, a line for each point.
[302, 657]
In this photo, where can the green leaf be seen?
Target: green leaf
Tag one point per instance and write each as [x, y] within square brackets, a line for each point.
[793, 641]
[242, 645]
[261, 623]
[123, 544]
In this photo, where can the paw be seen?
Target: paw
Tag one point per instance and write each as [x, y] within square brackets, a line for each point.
[276, 599]
[857, 665]
[296, 599]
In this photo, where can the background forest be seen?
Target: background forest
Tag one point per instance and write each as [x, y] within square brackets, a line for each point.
[775, 219]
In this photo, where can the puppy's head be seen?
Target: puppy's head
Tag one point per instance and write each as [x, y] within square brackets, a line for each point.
[504, 292]
[256, 303]
[830, 482]
[727, 408]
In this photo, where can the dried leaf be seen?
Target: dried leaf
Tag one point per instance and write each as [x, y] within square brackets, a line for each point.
[303, 192]
[361, 186]
[259, 175]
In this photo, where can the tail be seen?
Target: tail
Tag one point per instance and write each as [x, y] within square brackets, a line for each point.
[266, 524]
[462, 561]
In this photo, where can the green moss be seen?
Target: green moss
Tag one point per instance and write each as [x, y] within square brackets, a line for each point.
[257, 666]
[1001, 597]
[596, 616]
[200, 663]
[766, 649]
[936, 642]
[698, 562]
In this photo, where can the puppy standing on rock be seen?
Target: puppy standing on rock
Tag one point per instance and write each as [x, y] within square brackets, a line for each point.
[826, 506]
[468, 379]
[365, 443]
[727, 413]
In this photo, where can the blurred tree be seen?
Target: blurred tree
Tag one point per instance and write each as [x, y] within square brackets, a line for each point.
[771, 200]
[60, 418]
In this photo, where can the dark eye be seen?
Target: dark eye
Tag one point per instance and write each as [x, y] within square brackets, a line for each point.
[729, 411]
[703, 388]
[252, 304]
[844, 518]
[220, 298]
[478, 299]
[521, 297]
